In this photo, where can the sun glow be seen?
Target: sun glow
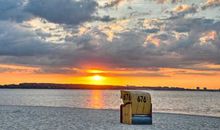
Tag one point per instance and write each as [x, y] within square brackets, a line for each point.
[97, 78]
[94, 71]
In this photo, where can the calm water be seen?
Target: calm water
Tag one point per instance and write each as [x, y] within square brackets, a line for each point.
[199, 103]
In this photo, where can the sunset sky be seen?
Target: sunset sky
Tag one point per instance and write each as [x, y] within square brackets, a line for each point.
[117, 42]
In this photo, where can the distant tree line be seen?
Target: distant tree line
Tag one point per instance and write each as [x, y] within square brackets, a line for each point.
[88, 86]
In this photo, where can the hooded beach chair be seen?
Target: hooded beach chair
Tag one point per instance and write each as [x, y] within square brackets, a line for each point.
[136, 107]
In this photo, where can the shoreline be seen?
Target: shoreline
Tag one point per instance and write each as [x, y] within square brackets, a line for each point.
[40, 117]
[101, 87]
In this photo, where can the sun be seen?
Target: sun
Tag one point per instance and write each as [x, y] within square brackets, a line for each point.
[97, 78]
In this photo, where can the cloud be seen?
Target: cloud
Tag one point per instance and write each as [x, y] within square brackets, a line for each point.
[63, 11]
[71, 12]
[57, 70]
[17, 69]
[168, 1]
[196, 73]
[20, 46]
[190, 47]
[152, 25]
[18, 41]
[152, 39]
[13, 10]
[105, 18]
[111, 29]
[208, 37]
[113, 3]
[48, 31]
[84, 39]
[211, 3]
[182, 10]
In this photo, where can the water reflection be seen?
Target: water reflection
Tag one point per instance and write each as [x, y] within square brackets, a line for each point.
[96, 99]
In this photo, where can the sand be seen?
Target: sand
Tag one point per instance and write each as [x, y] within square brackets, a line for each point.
[51, 118]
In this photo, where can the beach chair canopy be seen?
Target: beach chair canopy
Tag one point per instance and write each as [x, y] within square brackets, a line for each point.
[140, 101]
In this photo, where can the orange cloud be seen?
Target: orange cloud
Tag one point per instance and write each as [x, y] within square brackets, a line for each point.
[111, 29]
[17, 69]
[182, 8]
[152, 23]
[83, 30]
[151, 39]
[208, 37]
[211, 3]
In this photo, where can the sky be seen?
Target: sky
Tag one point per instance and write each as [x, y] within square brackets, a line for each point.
[117, 42]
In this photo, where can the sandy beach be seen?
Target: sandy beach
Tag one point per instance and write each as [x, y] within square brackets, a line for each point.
[44, 118]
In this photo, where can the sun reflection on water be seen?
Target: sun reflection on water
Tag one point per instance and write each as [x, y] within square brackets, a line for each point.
[96, 101]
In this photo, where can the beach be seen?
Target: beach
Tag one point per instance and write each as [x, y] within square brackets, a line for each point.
[63, 118]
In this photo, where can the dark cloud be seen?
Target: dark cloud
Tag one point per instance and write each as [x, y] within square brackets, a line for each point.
[202, 68]
[193, 25]
[71, 12]
[13, 10]
[63, 11]
[56, 70]
[137, 74]
[153, 30]
[195, 73]
[105, 18]
[5, 69]
[16, 41]
[190, 47]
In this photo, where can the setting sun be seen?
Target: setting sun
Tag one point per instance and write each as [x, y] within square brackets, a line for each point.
[97, 78]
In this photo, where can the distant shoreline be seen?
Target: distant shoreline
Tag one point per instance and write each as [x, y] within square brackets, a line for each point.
[97, 87]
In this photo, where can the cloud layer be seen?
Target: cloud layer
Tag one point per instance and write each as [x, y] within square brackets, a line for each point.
[61, 36]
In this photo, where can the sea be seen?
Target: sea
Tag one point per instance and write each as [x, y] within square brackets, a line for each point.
[181, 102]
